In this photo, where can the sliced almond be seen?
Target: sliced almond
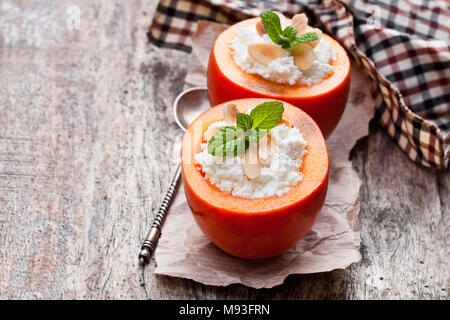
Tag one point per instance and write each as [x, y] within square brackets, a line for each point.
[260, 28]
[299, 22]
[251, 165]
[265, 53]
[303, 56]
[208, 134]
[251, 154]
[252, 171]
[267, 146]
[230, 113]
[314, 43]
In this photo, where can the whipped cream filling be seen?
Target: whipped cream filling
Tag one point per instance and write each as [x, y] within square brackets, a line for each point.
[279, 173]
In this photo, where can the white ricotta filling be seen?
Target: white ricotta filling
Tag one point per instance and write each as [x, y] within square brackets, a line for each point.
[281, 70]
[279, 173]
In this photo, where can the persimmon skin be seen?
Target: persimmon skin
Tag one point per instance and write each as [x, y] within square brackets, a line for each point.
[263, 227]
[253, 236]
[325, 105]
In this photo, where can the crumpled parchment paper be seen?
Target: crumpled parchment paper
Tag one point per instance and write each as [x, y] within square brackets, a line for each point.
[334, 240]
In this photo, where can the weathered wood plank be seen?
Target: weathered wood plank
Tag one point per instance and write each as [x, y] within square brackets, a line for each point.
[85, 157]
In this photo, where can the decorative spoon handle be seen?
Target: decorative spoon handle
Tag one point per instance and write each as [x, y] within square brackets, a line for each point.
[149, 244]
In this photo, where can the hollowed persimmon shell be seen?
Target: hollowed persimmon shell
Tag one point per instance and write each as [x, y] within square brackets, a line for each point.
[259, 227]
[324, 101]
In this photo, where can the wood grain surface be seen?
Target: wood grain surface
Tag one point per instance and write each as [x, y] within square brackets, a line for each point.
[86, 136]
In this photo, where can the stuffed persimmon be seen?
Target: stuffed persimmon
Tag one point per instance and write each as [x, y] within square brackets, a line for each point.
[255, 174]
[247, 61]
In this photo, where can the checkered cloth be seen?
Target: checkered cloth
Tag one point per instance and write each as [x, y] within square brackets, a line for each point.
[404, 45]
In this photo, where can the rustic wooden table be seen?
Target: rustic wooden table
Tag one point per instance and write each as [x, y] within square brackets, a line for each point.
[85, 125]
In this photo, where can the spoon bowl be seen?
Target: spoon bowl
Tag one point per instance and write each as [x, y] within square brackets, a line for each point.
[189, 104]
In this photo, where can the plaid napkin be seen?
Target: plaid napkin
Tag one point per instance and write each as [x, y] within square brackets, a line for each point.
[404, 46]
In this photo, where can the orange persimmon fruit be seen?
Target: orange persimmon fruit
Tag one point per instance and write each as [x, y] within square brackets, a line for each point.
[324, 101]
[255, 228]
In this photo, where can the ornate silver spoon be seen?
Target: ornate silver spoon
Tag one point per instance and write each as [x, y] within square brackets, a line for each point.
[187, 106]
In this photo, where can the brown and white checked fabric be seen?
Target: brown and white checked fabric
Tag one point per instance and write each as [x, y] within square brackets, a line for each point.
[404, 45]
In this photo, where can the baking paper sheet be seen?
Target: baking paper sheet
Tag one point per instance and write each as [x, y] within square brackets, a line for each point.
[334, 240]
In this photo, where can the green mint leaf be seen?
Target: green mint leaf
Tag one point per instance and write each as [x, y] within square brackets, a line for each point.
[283, 39]
[310, 36]
[244, 121]
[267, 115]
[289, 33]
[228, 141]
[272, 24]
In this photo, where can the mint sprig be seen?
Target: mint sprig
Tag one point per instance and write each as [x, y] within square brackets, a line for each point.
[231, 140]
[286, 38]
